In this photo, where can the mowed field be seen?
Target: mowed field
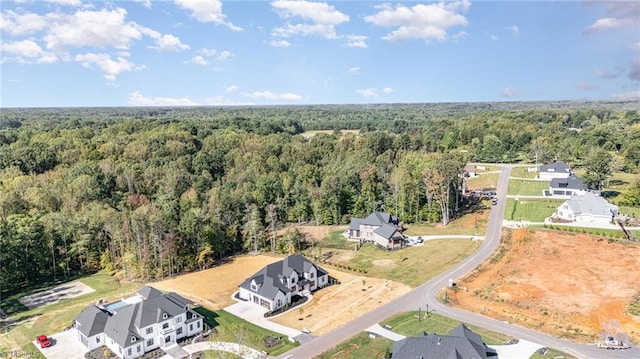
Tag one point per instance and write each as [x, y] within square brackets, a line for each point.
[567, 285]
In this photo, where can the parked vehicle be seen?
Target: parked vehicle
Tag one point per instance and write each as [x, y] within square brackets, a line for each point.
[43, 341]
[419, 240]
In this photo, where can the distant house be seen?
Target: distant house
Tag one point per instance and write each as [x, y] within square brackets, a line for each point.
[557, 169]
[380, 228]
[470, 170]
[136, 325]
[566, 187]
[461, 342]
[588, 207]
[274, 285]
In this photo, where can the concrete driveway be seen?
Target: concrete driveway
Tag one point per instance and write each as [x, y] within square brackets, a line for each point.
[64, 345]
[255, 314]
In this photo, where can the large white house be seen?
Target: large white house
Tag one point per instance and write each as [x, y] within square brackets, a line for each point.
[565, 188]
[273, 286]
[134, 326]
[557, 169]
[587, 208]
[380, 228]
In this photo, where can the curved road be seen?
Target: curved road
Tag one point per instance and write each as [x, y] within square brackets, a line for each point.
[426, 294]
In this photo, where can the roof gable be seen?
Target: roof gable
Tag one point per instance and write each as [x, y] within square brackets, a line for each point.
[571, 182]
[91, 321]
[591, 203]
[557, 166]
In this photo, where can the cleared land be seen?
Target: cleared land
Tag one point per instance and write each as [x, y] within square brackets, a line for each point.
[566, 285]
[484, 180]
[533, 210]
[527, 188]
[54, 295]
[523, 172]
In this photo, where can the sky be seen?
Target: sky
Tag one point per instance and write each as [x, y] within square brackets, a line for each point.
[67, 53]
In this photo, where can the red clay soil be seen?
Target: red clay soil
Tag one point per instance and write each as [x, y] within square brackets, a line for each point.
[567, 285]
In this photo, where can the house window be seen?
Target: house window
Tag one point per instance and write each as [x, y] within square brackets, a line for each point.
[167, 339]
[133, 339]
[311, 275]
[178, 319]
[191, 327]
[129, 351]
[254, 287]
[138, 349]
[313, 283]
[150, 342]
[97, 339]
[149, 330]
[165, 325]
[179, 331]
[198, 324]
[164, 316]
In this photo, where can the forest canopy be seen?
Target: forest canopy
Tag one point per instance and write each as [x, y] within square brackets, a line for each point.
[153, 192]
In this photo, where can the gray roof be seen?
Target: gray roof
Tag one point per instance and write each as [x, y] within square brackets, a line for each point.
[149, 292]
[387, 230]
[153, 310]
[591, 203]
[460, 343]
[571, 182]
[120, 326]
[91, 321]
[380, 219]
[270, 277]
[377, 218]
[557, 166]
[355, 223]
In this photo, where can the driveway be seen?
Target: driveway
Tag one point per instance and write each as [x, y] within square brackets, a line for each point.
[255, 314]
[64, 345]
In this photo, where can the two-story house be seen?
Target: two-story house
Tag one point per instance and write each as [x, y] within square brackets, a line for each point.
[557, 169]
[136, 325]
[380, 228]
[273, 286]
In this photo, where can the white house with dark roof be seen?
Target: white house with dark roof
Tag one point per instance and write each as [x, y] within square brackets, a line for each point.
[557, 169]
[565, 188]
[136, 325]
[589, 208]
[273, 286]
[380, 228]
[460, 343]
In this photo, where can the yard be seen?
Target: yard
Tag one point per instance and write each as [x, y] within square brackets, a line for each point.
[523, 172]
[527, 188]
[532, 210]
[483, 180]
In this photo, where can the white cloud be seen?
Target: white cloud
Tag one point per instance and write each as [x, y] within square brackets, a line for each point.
[369, 93]
[619, 14]
[268, 95]
[27, 51]
[356, 41]
[200, 60]
[138, 99]
[111, 68]
[514, 30]
[388, 90]
[65, 2]
[354, 70]
[634, 74]
[603, 24]
[510, 92]
[321, 18]
[20, 24]
[232, 88]
[221, 101]
[145, 3]
[493, 37]
[627, 96]
[585, 86]
[208, 52]
[170, 43]
[207, 11]
[279, 43]
[427, 22]
[618, 70]
[636, 47]
[224, 55]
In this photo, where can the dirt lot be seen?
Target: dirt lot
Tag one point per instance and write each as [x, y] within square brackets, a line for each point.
[319, 232]
[214, 287]
[568, 285]
[54, 295]
[336, 305]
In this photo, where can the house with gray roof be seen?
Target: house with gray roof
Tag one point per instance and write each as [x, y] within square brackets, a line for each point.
[380, 228]
[589, 207]
[557, 169]
[565, 188]
[136, 325]
[273, 286]
[460, 343]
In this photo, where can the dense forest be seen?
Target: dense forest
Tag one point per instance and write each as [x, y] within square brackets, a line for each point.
[152, 192]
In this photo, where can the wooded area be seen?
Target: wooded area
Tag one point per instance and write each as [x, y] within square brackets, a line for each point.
[153, 192]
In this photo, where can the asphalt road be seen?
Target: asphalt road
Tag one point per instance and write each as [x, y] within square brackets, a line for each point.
[426, 294]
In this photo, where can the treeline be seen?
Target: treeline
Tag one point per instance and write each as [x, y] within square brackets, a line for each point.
[154, 192]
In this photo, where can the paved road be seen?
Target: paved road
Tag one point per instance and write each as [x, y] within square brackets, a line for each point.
[426, 294]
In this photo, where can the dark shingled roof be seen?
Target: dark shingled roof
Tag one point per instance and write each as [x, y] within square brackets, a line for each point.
[460, 343]
[149, 292]
[571, 182]
[270, 277]
[91, 321]
[557, 166]
[387, 223]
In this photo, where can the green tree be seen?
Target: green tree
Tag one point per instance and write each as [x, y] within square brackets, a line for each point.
[598, 168]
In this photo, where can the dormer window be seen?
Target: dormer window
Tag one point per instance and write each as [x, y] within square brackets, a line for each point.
[254, 287]
[133, 339]
[164, 316]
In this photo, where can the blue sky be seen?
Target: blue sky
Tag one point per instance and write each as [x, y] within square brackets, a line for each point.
[59, 53]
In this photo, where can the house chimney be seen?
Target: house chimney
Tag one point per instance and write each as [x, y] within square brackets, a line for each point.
[439, 340]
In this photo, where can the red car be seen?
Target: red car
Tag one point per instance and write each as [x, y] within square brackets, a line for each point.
[43, 341]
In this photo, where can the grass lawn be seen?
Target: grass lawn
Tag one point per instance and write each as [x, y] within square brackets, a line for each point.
[58, 316]
[236, 330]
[523, 172]
[360, 346]
[527, 188]
[552, 353]
[533, 210]
[215, 354]
[629, 211]
[412, 265]
[336, 241]
[408, 324]
[471, 223]
[484, 180]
